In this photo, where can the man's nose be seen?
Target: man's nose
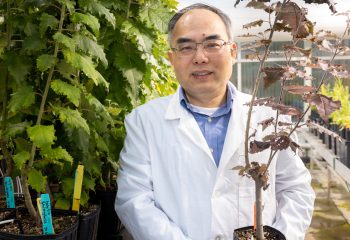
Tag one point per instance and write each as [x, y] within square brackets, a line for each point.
[200, 55]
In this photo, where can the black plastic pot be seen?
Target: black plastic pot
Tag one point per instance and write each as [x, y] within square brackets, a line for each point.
[88, 225]
[69, 234]
[273, 232]
[109, 227]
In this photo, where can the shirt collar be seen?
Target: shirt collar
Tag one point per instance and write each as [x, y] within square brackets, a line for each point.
[224, 109]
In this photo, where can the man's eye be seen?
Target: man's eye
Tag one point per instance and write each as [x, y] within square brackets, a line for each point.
[212, 45]
[185, 48]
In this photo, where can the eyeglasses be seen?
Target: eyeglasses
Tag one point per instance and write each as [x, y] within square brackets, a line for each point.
[210, 46]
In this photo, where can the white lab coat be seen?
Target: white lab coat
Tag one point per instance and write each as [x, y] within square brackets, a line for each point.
[169, 187]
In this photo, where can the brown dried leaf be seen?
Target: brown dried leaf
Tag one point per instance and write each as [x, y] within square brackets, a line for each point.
[298, 89]
[253, 24]
[293, 16]
[267, 122]
[272, 74]
[325, 105]
[285, 110]
[257, 146]
[280, 143]
[261, 101]
[305, 52]
[259, 4]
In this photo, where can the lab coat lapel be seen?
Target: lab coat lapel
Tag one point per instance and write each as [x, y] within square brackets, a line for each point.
[236, 129]
[187, 125]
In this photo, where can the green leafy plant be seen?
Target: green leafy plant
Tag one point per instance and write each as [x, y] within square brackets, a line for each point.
[63, 99]
[341, 93]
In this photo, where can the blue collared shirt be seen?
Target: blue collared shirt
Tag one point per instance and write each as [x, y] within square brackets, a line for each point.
[213, 127]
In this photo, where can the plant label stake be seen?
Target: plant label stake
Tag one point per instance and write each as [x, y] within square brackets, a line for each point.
[78, 182]
[10, 198]
[46, 217]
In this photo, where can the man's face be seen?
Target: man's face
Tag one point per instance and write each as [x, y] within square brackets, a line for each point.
[203, 74]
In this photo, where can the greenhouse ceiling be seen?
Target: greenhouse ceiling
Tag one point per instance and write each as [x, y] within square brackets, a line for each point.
[240, 15]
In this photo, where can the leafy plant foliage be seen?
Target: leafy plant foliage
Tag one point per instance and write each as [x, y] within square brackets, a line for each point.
[70, 71]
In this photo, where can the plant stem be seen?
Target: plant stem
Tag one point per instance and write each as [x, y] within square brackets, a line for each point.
[29, 165]
[258, 204]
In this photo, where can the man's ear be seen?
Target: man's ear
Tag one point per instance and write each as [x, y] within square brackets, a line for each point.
[171, 57]
[233, 47]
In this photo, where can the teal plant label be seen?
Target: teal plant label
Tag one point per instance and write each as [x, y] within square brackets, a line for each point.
[46, 216]
[10, 198]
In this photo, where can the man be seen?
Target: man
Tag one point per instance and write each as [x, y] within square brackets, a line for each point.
[176, 179]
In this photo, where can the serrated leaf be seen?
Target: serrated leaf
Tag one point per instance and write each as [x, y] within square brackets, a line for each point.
[21, 99]
[253, 24]
[18, 66]
[272, 74]
[86, 65]
[325, 105]
[87, 19]
[66, 70]
[258, 146]
[99, 108]
[33, 43]
[100, 143]
[139, 35]
[36, 180]
[57, 154]
[47, 21]
[101, 10]
[73, 118]
[91, 47]
[45, 61]
[17, 128]
[70, 91]
[20, 158]
[42, 136]
[69, 4]
[63, 39]
[155, 15]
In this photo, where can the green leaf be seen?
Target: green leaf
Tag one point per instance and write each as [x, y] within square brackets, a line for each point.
[97, 8]
[86, 65]
[47, 21]
[69, 4]
[36, 180]
[71, 92]
[33, 43]
[18, 66]
[99, 108]
[3, 43]
[89, 183]
[156, 15]
[57, 154]
[87, 19]
[84, 198]
[91, 47]
[62, 203]
[73, 118]
[138, 35]
[17, 128]
[64, 40]
[100, 143]
[66, 70]
[20, 158]
[68, 186]
[42, 136]
[45, 62]
[21, 99]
